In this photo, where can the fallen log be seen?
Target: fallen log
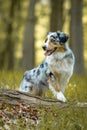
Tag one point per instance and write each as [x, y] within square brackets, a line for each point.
[15, 97]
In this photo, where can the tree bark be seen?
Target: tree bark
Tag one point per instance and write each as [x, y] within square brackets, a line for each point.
[28, 42]
[76, 33]
[7, 56]
[56, 17]
[15, 97]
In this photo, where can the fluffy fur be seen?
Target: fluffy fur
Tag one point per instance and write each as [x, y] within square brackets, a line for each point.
[55, 71]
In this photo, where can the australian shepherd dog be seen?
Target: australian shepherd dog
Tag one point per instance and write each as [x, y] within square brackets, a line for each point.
[55, 71]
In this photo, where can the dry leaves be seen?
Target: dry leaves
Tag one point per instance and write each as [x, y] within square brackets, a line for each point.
[15, 114]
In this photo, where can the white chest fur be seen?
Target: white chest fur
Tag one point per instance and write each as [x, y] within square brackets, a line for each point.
[62, 63]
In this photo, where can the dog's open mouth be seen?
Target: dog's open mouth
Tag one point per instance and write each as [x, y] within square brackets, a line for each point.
[49, 52]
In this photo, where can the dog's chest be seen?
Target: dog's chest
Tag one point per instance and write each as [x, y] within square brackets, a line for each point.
[59, 66]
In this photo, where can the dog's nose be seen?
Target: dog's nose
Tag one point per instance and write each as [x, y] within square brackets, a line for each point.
[44, 47]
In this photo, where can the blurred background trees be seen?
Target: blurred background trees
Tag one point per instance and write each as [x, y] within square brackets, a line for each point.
[56, 15]
[28, 42]
[24, 24]
[76, 32]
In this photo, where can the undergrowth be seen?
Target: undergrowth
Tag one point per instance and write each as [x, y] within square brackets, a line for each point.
[54, 118]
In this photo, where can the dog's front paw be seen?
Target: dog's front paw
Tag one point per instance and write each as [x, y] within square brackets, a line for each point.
[61, 97]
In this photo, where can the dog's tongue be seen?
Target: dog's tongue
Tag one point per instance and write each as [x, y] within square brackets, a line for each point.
[47, 53]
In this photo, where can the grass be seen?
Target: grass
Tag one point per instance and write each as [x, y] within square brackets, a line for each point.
[69, 118]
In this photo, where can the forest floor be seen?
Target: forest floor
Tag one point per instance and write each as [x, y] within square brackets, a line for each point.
[26, 117]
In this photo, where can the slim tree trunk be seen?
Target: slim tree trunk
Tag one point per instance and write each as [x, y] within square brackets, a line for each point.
[7, 60]
[28, 43]
[56, 17]
[76, 30]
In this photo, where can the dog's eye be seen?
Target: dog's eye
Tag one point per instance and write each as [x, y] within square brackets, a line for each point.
[52, 40]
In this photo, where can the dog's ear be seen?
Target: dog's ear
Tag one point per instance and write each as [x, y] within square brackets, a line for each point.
[62, 37]
[48, 33]
[58, 33]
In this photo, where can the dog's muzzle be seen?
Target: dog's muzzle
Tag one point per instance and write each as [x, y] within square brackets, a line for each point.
[48, 52]
[44, 48]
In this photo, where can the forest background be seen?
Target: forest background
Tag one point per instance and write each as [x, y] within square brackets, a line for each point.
[25, 23]
[23, 28]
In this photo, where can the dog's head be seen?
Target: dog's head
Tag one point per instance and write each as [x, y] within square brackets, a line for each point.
[54, 41]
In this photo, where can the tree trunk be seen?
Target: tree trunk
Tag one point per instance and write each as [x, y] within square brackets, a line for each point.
[7, 57]
[28, 43]
[56, 17]
[9, 53]
[76, 30]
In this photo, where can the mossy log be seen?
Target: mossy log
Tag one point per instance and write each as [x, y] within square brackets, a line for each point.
[16, 97]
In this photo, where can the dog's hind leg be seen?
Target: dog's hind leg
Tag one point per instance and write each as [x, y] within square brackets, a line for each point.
[25, 85]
